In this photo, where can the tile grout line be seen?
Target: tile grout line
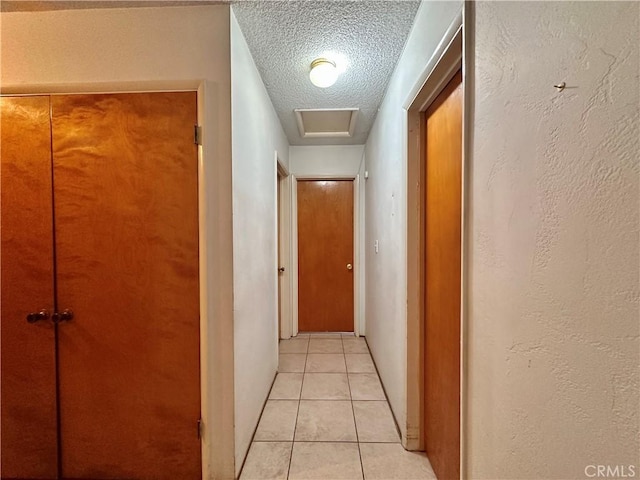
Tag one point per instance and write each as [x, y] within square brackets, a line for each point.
[353, 410]
[329, 441]
[346, 442]
[295, 427]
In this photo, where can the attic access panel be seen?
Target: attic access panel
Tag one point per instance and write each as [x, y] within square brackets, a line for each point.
[326, 122]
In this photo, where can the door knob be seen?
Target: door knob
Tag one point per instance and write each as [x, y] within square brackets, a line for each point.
[34, 317]
[349, 266]
[64, 316]
[281, 269]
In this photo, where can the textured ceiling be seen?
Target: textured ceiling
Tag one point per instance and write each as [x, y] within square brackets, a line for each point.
[286, 36]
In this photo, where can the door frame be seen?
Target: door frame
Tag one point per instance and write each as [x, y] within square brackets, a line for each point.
[452, 54]
[284, 247]
[215, 247]
[358, 276]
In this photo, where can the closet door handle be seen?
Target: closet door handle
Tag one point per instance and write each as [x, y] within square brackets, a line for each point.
[65, 316]
[34, 317]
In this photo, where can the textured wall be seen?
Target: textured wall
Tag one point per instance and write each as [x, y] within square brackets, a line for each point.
[326, 160]
[256, 135]
[386, 208]
[553, 326]
[103, 47]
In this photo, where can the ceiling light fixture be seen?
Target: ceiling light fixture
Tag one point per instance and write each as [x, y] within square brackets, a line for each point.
[323, 73]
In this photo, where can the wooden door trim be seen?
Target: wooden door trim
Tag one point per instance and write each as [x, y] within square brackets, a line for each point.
[357, 277]
[215, 262]
[451, 55]
[325, 177]
[216, 285]
[284, 254]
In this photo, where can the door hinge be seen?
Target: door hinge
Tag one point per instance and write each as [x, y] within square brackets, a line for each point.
[197, 134]
[200, 427]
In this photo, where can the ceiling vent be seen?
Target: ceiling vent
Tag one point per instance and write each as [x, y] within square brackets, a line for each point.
[326, 122]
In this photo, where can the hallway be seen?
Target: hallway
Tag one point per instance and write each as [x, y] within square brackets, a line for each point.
[327, 418]
[493, 278]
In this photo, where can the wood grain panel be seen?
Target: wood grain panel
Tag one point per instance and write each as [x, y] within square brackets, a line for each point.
[442, 296]
[125, 176]
[325, 247]
[29, 444]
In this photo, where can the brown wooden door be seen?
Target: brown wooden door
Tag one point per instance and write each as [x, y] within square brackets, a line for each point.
[28, 394]
[442, 296]
[325, 255]
[125, 181]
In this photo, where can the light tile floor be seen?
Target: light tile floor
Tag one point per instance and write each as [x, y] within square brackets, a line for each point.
[327, 418]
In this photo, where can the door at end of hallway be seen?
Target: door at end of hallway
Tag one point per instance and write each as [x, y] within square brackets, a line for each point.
[325, 255]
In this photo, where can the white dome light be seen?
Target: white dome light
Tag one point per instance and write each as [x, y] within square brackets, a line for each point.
[323, 73]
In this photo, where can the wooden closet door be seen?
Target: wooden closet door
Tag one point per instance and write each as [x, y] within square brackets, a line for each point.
[28, 393]
[126, 198]
[443, 280]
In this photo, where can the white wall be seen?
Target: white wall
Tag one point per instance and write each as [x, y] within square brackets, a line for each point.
[553, 326]
[144, 49]
[256, 135]
[45, 50]
[325, 160]
[386, 205]
[553, 257]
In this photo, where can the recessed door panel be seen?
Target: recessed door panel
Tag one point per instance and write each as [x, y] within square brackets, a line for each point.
[442, 296]
[28, 394]
[125, 176]
[325, 255]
